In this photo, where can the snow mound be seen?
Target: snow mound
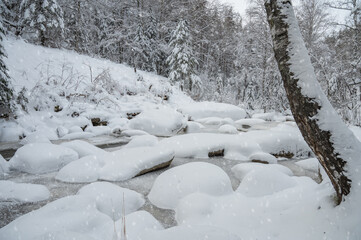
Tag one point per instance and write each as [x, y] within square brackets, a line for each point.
[215, 121]
[270, 116]
[139, 225]
[74, 214]
[163, 121]
[23, 192]
[178, 182]
[248, 123]
[262, 182]
[35, 138]
[42, 158]
[142, 141]
[132, 132]
[241, 170]
[311, 164]
[99, 130]
[126, 163]
[89, 165]
[228, 129]
[109, 198]
[263, 158]
[78, 135]
[200, 110]
[84, 148]
[194, 127]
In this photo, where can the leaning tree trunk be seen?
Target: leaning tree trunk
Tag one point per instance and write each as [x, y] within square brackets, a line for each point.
[335, 146]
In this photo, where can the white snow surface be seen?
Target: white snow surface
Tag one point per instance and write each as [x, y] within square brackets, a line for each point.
[311, 164]
[178, 182]
[41, 158]
[228, 129]
[241, 170]
[84, 148]
[109, 198]
[142, 141]
[163, 121]
[200, 110]
[22, 192]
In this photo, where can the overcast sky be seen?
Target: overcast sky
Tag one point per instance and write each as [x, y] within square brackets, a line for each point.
[241, 5]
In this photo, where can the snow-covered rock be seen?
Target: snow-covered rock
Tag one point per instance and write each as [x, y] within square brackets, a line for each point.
[263, 182]
[263, 157]
[75, 129]
[311, 164]
[248, 122]
[142, 141]
[163, 121]
[132, 132]
[41, 158]
[61, 131]
[78, 135]
[194, 127]
[228, 129]
[241, 170]
[77, 215]
[200, 110]
[99, 130]
[178, 182]
[22, 192]
[83, 148]
[215, 121]
[128, 162]
[109, 198]
[83, 170]
[35, 138]
[270, 116]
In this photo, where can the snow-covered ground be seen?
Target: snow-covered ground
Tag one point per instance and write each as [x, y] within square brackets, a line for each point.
[228, 177]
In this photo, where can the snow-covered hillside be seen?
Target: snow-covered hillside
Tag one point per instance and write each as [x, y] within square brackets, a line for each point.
[65, 89]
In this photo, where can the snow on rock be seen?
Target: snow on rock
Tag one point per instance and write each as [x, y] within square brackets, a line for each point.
[99, 130]
[4, 166]
[215, 121]
[270, 116]
[228, 129]
[61, 131]
[248, 122]
[311, 164]
[78, 135]
[241, 170]
[109, 198]
[178, 182]
[74, 214]
[128, 162]
[163, 121]
[10, 132]
[198, 110]
[84, 148]
[194, 127]
[263, 158]
[142, 141]
[35, 138]
[132, 132]
[75, 129]
[41, 158]
[22, 192]
[264, 182]
[139, 225]
[83, 170]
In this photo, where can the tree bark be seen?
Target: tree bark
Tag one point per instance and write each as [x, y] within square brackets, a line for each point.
[309, 105]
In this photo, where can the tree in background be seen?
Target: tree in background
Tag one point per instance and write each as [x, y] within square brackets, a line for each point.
[6, 92]
[43, 20]
[182, 63]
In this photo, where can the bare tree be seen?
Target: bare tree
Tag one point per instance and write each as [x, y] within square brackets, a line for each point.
[335, 146]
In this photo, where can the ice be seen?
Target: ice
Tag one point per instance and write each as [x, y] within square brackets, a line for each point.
[228, 129]
[4, 166]
[22, 192]
[211, 109]
[163, 121]
[264, 182]
[178, 182]
[142, 141]
[241, 170]
[41, 158]
[83, 148]
[83, 170]
[109, 198]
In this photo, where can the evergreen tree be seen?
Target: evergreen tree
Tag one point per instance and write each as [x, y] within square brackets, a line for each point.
[42, 21]
[181, 62]
[6, 92]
